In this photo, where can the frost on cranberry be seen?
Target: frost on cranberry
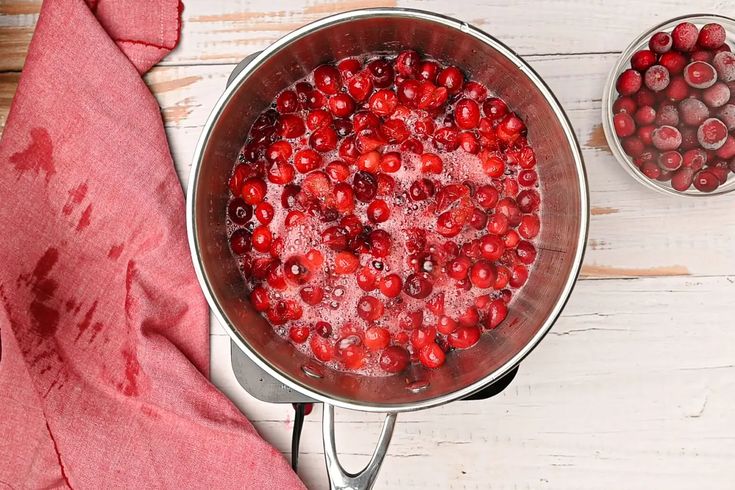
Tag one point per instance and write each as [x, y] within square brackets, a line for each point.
[684, 36]
[724, 63]
[666, 138]
[717, 95]
[700, 74]
[660, 42]
[706, 181]
[711, 36]
[624, 124]
[712, 134]
[727, 116]
[657, 78]
[693, 111]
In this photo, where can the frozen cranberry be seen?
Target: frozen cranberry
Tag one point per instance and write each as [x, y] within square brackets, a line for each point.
[660, 42]
[418, 285]
[700, 74]
[677, 90]
[666, 138]
[724, 63]
[711, 36]
[327, 79]
[727, 150]
[287, 102]
[717, 95]
[451, 78]
[706, 181]
[645, 115]
[712, 134]
[642, 59]
[682, 179]
[720, 169]
[673, 61]
[467, 114]
[254, 190]
[394, 359]
[629, 82]
[700, 55]
[667, 115]
[633, 146]
[624, 125]
[651, 170]
[670, 160]
[644, 134]
[694, 159]
[684, 36]
[432, 356]
[657, 78]
[727, 116]
[624, 104]
[240, 242]
[382, 73]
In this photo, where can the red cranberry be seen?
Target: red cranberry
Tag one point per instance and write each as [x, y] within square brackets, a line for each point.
[262, 238]
[289, 195]
[682, 179]
[693, 111]
[459, 268]
[381, 72]
[727, 150]
[390, 285]
[624, 104]
[706, 181]
[327, 79]
[528, 201]
[294, 218]
[451, 78]
[239, 211]
[712, 134]
[491, 247]
[678, 89]
[360, 86]
[378, 211]
[700, 74]
[645, 115]
[497, 311]
[341, 105]
[670, 160]
[418, 285]
[645, 97]
[492, 164]
[684, 36]
[394, 359]
[706, 56]
[240, 242]
[254, 190]
[287, 102]
[644, 133]
[482, 274]
[311, 295]
[345, 263]
[323, 139]
[624, 124]
[724, 63]
[666, 138]
[322, 348]
[376, 338]
[673, 61]
[338, 171]
[717, 95]
[494, 108]
[394, 131]
[642, 59]
[380, 243]
[407, 63]
[711, 36]
[651, 170]
[464, 337]
[428, 70]
[657, 78]
[369, 308]
[694, 159]
[432, 356]
[667, 115]
[475, 91]
[727, 116]
[281, 173]
[259, 299]
[348, 67]
[467, 114]
[365, 186]
[529, 226]
[431, 163]
[318, 118]
[660, 42]
[519, 275]
[629, 82]
[446, 325]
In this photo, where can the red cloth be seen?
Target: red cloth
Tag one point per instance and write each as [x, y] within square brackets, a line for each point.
[104, 331]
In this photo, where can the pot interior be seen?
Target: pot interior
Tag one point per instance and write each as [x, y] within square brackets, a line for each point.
[564, 208]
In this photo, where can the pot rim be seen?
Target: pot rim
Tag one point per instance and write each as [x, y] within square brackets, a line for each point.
[466, 29]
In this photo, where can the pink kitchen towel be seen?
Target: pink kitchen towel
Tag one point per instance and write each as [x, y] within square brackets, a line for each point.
[105, 352]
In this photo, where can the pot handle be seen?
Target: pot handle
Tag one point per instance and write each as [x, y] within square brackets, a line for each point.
[364, 479]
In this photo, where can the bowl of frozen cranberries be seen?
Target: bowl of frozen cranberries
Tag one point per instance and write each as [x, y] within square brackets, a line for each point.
[669, 107]
[384, 211]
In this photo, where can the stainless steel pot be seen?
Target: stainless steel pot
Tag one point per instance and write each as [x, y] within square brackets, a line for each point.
[560, 244]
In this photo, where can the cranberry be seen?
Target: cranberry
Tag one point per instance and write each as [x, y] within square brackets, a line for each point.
[498, 224]
[240, 241]
[624, 124]
[264, 212]
[421, 189]
[682, 179]
[368, 140]
[318, 119]
[341, 105]
[642, 59]
[497, 311]
[412, 145]
[380, 243]
[644, 133]
[311, 295]
[390, 285]
[666, 138]
[645, 115]
[482, 274]
[254, 190]
[431, 163]
[693, 111]
[407, 63]
[684, 36]
[700, 74]
[629, 82]
[519, 275]
[677, 89]
[369, 308]
[529, 226]
[528, 201]
[717, 95]
[624, 104]
[239, 211]
[467, 114]
[338, 171]
[727, 116]
[670, 160]
[259, 299]
[349, 67]
[345, 263]
[667, 115]
[727, 150]
[510, 128]
[390, 162]
[418, 285]
[451, 78]
[394, 131]
[446, 139]
[378, 211]
[660, 42]
[633, 146]
[430, 96]
[706, 56]
[394, 359]
[287, 102]
[706, 181]
[478, 219]
[323, 329]
[492, 164]
[381, 72]
[651, 170]
[694, 159]
[657, 78]
[322, 348]
[365, 186]
[432, 356]
[724, 63]
[428, 70]
[262, 238]
[712, 134]
[711, 36]
[327, 79]
[673, 61]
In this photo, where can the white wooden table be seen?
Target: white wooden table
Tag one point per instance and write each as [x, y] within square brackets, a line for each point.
[635, 385]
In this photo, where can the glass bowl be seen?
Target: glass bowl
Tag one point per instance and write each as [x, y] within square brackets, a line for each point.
[610, 94]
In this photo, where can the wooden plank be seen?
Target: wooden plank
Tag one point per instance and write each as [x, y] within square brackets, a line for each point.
[632, 389]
